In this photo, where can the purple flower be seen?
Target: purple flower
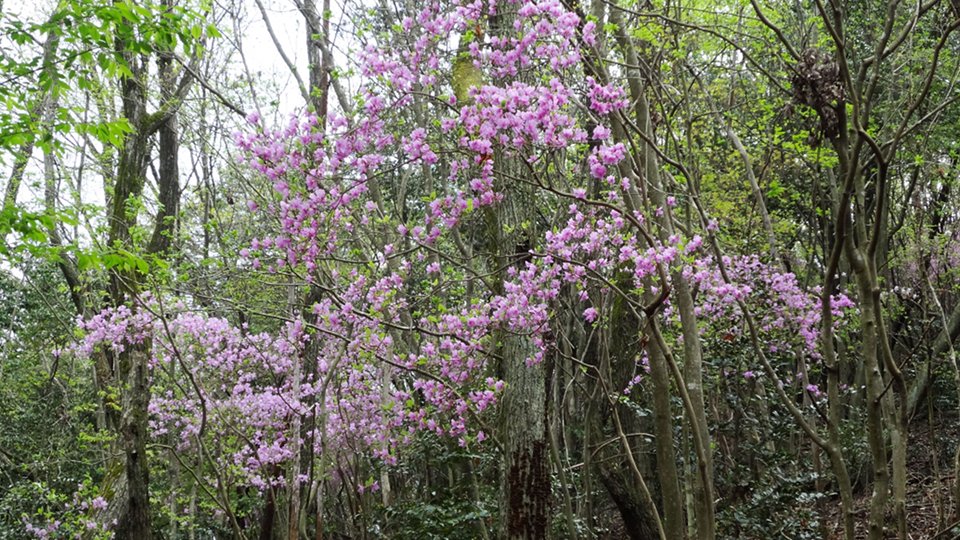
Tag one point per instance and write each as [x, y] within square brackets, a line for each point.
[589, 33]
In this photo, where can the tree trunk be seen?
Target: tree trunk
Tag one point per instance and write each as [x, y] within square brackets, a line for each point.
[169, 174]
[525, 498]
[666, 453]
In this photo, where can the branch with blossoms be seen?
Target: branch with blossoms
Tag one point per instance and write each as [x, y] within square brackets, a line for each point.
[383, 221]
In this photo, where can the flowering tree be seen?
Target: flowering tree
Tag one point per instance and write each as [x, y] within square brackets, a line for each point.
[507, 243]
[452, 252]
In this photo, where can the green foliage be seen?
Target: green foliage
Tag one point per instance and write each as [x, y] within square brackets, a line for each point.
[766, 484]
[23, 232]
[62, 514]
[445, 504]
[76, 47]
[439, 519]
[783, 507]
[47, 407]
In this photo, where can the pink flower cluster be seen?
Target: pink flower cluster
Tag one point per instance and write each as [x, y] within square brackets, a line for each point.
[788, 316]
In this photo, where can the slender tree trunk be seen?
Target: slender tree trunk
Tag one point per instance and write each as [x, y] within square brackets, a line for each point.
[874, 391]
[293, 522]
[666, 453]
[831, 365]
[169, 147]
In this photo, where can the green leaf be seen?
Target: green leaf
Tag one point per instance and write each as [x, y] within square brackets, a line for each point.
[87, 261]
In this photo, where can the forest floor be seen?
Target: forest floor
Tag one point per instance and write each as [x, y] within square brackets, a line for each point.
[930, 479]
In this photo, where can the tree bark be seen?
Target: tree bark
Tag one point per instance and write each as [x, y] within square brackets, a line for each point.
[525, 499]
[169, 188]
